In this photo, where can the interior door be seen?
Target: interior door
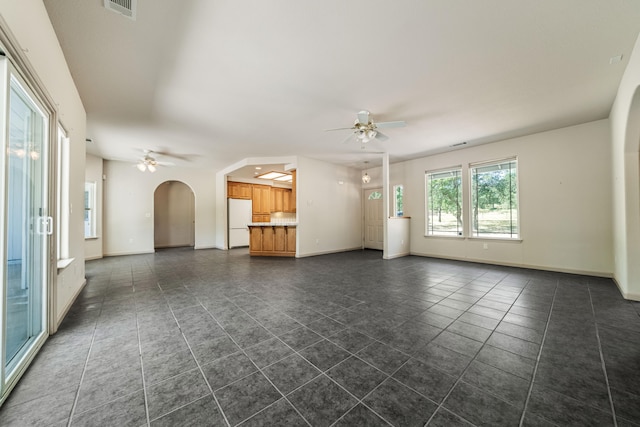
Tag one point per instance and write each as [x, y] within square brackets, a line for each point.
[373, 219]
[27, 226]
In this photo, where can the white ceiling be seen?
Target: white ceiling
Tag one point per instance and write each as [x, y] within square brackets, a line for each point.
[217, 81]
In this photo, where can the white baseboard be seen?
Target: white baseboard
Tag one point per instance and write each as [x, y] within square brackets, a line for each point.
[529, 266]
[357, 248]
[129, 253]
[399, 255]
[632, 296]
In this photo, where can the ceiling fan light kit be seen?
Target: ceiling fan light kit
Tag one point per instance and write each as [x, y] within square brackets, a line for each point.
[147, 163]
[365, 129]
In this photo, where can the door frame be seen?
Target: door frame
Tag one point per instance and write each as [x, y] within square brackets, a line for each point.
[14, 63]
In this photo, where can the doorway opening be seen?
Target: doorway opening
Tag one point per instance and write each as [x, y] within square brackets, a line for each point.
[174, 216]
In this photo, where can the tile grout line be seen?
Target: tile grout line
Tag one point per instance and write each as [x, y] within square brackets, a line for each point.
[86, 362]
[444, 399]
[322, 373]
[144, 382]
[197, 362]
[251, 360]
[602, 363]
[535, 368]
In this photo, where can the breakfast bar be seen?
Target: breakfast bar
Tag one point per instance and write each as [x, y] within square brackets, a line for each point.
[272, 239]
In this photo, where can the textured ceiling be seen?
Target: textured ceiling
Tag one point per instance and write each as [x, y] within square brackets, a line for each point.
[215, 82]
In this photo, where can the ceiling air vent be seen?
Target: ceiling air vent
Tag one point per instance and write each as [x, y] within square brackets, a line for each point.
[123, 7]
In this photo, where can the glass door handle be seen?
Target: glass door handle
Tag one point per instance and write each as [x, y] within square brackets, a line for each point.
[41, 225]
[45, 225]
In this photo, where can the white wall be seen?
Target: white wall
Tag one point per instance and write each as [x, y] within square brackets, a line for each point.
[565, 202]
[329, 213]
[128, 208]
[625, 136]
[93, 173]
[32, 29]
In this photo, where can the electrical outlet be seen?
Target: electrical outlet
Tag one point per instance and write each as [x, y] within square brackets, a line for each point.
[485, 246]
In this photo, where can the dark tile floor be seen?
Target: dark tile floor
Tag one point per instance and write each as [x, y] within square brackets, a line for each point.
[195, 338]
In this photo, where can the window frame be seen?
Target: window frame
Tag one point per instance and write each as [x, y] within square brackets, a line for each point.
[460, 232]
[91, 208]
[395, 200]
[472, 232]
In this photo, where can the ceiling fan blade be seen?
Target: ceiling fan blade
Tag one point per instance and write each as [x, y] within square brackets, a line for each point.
[348, 139]
[329, 130]
[363, 117]
[398, 124]
[381, 136]
[165, 163]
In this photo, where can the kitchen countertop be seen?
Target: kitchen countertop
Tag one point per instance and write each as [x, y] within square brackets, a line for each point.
[272, 224]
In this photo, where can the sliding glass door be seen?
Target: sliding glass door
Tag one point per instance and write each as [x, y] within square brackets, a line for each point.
[26, 223]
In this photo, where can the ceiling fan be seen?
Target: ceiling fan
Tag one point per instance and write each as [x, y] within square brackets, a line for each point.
[148, 162]
[365, 129]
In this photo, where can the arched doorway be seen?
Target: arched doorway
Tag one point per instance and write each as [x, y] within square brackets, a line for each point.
[174, 215]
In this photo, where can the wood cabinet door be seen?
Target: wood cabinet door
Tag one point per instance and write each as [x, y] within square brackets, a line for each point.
[280, 239]
[244, 191]
[286, 201]
[256, 197]
[255, 242]
[267, 239]
[231, 190]
[265, 201]
[238, 190]
[291, 239]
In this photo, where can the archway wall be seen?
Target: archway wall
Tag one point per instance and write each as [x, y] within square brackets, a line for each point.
[625, 138]
[173, 215]
[128, 221]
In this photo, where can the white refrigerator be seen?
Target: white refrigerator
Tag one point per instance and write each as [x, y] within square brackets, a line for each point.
[240, 214]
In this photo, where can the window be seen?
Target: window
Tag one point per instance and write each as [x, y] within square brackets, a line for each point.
[89, 209]
[444, 203]
[494, 199]
[375, 195]
[398, 209]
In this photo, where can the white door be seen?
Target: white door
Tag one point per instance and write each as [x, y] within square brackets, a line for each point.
[373, 219]
[25, 225]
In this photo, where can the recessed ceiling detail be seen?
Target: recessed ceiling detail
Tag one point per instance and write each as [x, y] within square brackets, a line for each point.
[276, 176]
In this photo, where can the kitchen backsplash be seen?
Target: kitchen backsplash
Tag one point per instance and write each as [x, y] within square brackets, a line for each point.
[282, 217]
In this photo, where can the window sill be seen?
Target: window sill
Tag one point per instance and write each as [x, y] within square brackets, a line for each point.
[92, 238]
[489, 239]
[496, 239]
[64, 263]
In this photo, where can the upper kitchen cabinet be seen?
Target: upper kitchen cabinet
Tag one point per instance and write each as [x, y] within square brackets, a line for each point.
[277, 199]
[238, 190]
[261, 196]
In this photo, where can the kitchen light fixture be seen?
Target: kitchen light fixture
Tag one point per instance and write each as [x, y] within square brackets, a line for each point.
[276, 176]
[366, 178]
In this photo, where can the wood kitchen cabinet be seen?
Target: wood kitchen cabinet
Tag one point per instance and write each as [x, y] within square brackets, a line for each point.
[281, 200]
[272, 240]
[261, 197]
[238, 190]
[277, 199]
